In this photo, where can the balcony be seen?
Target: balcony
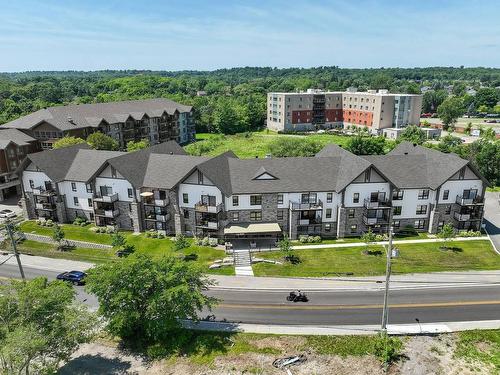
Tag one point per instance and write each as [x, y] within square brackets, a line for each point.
[156, 202]
[375, 220]
[381, 203]
[107, 213]
[106, 198]
[468, 201]
[461, 217]
[203, 207]
[43, 192]
[163, 218]
[208, 224]
[309, 221]
[306, 206]
[44, 206]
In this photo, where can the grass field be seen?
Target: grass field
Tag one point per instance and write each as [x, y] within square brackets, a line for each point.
[482, 346]
[463, 121]
[424, 257]
[250, 145]
[151, 246]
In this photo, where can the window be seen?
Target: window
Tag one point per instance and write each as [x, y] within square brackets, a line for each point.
[421, 209]
[73, 186]
[255, 200]
[328, 213]
[185, 198]
[308, 198]
[32, 184]
[236, 200]
[130, 193]
[397, 210]
[419, 224]
[279, 215]
[350, 213]
[446, 194]
[423, 194]
[354, 228]
[89, 202]
[329, 197]
[75, 201]
[235, 216]
[447, 210]
[396, 224]
[91, 215]
[186, 214]
[397, 195]
[280, 198]
[89, 188]
[255, 215]
[355, 198]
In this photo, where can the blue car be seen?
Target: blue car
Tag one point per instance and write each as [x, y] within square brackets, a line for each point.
[74, 277]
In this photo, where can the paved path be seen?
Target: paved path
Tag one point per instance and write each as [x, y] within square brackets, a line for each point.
[395, 242]
[242, 263]
[492, 218]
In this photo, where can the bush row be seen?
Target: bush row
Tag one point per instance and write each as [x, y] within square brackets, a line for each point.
[309, 239]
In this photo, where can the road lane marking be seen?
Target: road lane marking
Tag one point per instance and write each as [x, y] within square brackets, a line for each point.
[356, 307]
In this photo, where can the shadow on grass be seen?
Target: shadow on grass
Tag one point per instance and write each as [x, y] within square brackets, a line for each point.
[452, 249]
[94, 364]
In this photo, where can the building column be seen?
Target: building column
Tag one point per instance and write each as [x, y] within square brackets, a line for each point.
[341, 222]
[136, 215]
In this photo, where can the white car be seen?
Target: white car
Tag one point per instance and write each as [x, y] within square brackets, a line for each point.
[7, 213]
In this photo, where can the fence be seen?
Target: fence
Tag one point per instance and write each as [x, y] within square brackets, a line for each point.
[76, 243]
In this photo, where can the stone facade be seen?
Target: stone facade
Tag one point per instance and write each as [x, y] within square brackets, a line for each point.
[125, 219]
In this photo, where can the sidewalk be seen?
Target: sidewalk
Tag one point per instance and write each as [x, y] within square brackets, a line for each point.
[47, 264]
[395, 242]
[392, 329]
[407, 281]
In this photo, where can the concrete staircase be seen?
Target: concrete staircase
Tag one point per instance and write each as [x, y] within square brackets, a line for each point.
[242, 263]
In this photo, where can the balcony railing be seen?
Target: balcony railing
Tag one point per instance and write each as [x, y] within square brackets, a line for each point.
[43, 192]
[208, 224]
[468, 201]
[375, 220]
[461, 217]
[309, 221]
[162, 218]
[307, 206]
[44, 206]
[381, 203]
[203, 207]
[107, 213]
[156, 202]
[106, 198]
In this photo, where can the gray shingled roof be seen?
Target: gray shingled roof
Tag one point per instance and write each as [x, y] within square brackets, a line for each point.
[91, 115]
[413, 166]
[86, 162]
[15, 136]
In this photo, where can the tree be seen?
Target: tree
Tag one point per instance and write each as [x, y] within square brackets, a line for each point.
[449, 143]
[100, 141]
[180, 242]
[144, 299]
[58, 236]
[285, 247]
[360, 145]
[468, 128]
[41, 325]
[487, 96]
[446, 233]
[67, 141]
[450, 110]
[139, 145]
[413, 134]
[432, 99]
[368, 237]
[486, 157]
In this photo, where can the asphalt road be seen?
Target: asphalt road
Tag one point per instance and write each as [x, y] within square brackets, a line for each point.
[492, 217]
[464, 303]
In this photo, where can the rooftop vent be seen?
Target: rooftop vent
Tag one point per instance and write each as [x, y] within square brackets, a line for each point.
[406, 153]
[70, 120]
[171, 153]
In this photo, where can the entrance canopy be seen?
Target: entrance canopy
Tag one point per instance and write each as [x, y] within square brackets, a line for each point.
[261, 228]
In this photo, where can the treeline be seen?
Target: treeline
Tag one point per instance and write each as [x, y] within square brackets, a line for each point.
[235, 99]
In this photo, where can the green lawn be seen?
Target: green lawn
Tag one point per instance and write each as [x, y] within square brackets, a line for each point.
[250, 145]
[425, 257]
[419, 236]
[151, 246]
[482, 346]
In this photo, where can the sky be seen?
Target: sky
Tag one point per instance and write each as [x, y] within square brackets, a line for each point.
[208, 35]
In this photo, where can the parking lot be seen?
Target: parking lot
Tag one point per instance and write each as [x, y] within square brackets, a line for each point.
[11, 204]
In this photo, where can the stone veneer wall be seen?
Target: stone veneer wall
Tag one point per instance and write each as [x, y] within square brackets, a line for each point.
[73, 213]
[125, 218]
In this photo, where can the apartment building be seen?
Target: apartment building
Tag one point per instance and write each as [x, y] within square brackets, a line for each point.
[157, 120]
[334, 194]
[316, 109]
[14, 146]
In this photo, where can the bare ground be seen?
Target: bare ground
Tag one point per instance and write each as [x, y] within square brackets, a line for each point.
[423, 355]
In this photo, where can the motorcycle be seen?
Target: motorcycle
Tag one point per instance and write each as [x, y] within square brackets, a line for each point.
[297, 296]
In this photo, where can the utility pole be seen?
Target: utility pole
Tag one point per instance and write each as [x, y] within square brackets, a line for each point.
[8, 226]
[385, 313]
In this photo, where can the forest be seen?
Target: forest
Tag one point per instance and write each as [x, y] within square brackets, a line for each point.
[234, 100]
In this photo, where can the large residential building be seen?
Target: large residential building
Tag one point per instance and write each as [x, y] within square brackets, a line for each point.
[334, 194]
[14, 146]
[316, 109]
[157, 120]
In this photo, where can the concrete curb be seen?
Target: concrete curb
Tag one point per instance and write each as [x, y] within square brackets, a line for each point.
[392, 329]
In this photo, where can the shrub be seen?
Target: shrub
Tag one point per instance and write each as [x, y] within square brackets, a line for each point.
[81, 221]
[310, 239]
[388, 349]
[303, 239]
[110, 230]
[317, 239]
[180, 242]
[198, 241]
[205, 241]
[94, 229]
[212, 241]
[160, 235]
[49, 223]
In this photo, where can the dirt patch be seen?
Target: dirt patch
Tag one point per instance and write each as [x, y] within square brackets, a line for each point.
[285, 344]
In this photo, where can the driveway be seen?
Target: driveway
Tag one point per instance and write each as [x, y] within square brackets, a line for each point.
[11, 204]
[492, 217]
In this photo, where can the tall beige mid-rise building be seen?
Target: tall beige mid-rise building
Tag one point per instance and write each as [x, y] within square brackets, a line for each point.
[316, 109]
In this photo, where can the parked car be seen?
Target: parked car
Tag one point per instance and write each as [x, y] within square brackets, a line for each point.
[7, 213]
[74, 277]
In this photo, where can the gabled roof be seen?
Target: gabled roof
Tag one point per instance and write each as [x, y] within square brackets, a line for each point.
[217, 170]
[333, 150]
[413, 166]
[77, 116]
[15, 136]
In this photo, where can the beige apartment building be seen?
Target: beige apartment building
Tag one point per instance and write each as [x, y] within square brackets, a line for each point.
[316, 109]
